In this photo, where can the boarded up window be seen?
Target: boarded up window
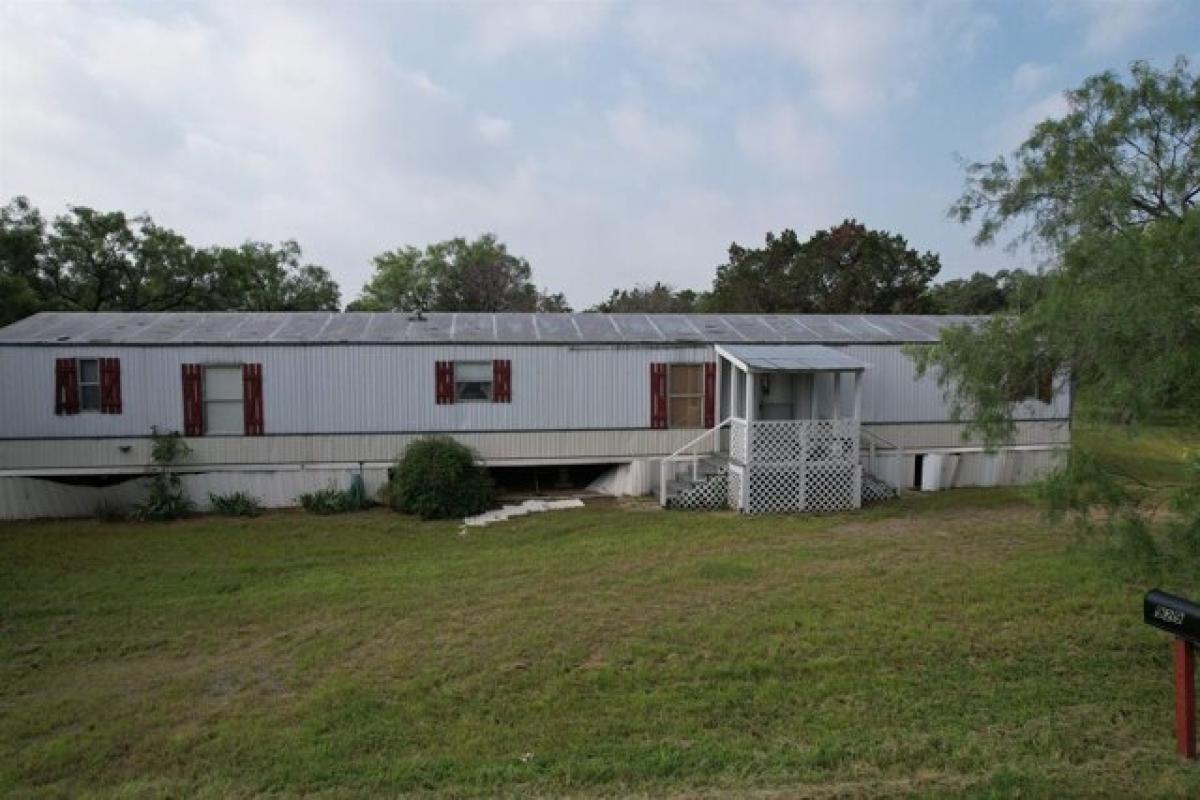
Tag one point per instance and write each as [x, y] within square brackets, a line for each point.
[685, 396]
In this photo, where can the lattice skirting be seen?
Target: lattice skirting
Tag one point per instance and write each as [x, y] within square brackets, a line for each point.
[876, 490]
[813, 487]
[712, 492]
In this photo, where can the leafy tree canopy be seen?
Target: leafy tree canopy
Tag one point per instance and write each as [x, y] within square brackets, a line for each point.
[1118, 308]
[455, 275]
[258, 276]
[1110, 190]
[1007, 290]
[660, 298]
[845, 269]
[1126, 153]
[88, 260]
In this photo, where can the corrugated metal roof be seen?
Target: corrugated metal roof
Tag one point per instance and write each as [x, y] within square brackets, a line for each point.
[55, 327]
[791, 357]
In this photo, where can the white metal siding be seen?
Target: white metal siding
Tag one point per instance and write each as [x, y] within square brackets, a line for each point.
[890, 392]
[496, 447]
[349, 389]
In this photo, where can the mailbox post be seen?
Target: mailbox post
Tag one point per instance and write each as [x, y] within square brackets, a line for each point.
[1181, 618]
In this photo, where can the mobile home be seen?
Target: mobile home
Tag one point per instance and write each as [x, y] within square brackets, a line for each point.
[754, 412]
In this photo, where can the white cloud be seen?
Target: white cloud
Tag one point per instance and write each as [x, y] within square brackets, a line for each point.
[426, 85]
[652, 140]
[494, 129]
[779, 138]
[1028, 77]
[1015, 127]
[1108, 24]
[858, 56]
[500, 29]
[259, 121]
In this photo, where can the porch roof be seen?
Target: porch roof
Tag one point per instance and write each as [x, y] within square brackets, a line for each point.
[790, 358]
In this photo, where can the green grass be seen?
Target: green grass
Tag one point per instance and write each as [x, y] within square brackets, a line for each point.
[942, 645]
[1153, 455]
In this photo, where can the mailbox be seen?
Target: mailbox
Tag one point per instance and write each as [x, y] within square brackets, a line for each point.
[1172, 614]
[1181, 618]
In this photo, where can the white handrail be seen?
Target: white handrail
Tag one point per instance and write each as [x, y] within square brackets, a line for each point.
[662, 467]
[872, 439]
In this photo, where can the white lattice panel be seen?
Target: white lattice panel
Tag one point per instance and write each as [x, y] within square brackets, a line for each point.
[778, 442]
[833, 486]
[795, 465]
[814, 487]
[711, 492]
[876, 490]
[774, 489]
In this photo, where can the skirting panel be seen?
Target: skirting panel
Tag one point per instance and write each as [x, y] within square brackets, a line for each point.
[31, 498]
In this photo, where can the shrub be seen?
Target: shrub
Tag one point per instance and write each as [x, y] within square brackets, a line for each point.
[438, 478]
[235, 504]
[332, 500]
[166, 499]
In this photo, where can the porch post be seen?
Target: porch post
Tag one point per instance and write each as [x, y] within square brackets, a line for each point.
[858, 394]
[837, 395]
[751, 396]
[717, 387]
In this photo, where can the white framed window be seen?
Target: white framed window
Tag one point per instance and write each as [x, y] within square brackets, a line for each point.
[88, 370]
[473, 381]
[223, 399]
[685, 396]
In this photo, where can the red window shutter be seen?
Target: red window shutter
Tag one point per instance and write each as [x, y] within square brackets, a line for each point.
[710, 394]
[443, 382]
[110, 386]
[1045, 388]
[658, 395]
[252, 399]
[66, 387]
[501, 381]
[193, 400]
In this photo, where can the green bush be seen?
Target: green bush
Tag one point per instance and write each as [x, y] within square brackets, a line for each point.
[235, 504]
[166, 499]
[438, 478]
[332, 500]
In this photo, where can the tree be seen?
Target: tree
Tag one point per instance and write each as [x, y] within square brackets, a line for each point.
[845, 269]
[986, 294]
[455, 275]
[661, 298]
[259, 277]
[88, 260]
[1126, 154]
[105, 261]
[1109, 191]
[21, 232]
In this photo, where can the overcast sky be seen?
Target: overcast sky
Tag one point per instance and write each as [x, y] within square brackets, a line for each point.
[611, 143]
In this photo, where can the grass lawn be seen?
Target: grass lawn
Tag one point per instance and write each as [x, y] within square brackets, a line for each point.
[943, 645]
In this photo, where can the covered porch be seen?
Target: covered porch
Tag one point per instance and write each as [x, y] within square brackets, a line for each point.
[793, 414]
